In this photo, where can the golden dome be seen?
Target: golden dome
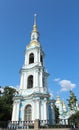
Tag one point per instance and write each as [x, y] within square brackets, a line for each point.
[34, 43]
[58, 99]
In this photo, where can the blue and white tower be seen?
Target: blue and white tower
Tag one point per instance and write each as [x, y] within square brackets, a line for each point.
[33, 100]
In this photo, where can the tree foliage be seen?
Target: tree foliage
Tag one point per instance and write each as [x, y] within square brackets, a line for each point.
[72, 100]
[6, 103]
[56, 115]
[74, 119]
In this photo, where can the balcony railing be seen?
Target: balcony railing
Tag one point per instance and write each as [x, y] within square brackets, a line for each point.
[31, 124]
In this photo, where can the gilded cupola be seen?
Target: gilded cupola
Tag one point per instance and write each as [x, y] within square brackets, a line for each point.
[34, 35]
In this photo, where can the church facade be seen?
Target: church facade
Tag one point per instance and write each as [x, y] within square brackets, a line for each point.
[64, 111]
[33, 99]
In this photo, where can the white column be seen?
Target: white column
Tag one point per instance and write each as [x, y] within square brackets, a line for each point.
[22, 114]
[25, 81]
[46, 82]
[25, 60]
[45, 109]
[22, 81]
[66, 121]
[41, 110]
[36, 78]
[38, 109]
[17, 110]
[35, 56]
[41, 79]
[39, 55]
[33, 111]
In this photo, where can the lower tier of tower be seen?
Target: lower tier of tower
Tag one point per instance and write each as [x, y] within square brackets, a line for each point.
[33, 107]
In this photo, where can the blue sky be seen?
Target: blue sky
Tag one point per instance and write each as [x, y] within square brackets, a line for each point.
[58, 24]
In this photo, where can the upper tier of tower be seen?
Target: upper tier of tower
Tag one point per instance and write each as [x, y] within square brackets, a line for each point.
[33, 74]
[34, 35]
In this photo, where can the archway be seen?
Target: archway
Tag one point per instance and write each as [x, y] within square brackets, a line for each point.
[31, 58]
[28, 113]
[30, 82]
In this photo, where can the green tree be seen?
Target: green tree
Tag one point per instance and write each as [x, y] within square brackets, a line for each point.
[72, 100]
[56, 114]
[6, 103]
[74, 119]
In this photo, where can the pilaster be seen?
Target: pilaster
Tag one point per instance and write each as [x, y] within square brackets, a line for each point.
[22, 81]
[38, 109]
[17, 110]
[45, 109]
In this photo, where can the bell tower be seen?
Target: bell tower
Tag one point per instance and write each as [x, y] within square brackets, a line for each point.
[33, 74]
[33, 99]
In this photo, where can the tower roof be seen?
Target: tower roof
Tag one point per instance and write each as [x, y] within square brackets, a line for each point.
[34, 34]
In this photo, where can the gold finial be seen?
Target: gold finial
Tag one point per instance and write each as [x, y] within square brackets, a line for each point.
[35, 26]
[35, 19]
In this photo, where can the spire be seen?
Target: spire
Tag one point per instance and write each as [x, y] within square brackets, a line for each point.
[35, 26]
[35, 33]
[35, 19]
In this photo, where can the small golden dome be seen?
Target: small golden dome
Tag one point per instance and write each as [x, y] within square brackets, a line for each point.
[35, 29]
[34, 43]
[58, 99]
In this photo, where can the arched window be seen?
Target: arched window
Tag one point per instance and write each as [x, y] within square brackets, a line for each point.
[41, 59]
[31, 58]
[30, 82]
[28, 113]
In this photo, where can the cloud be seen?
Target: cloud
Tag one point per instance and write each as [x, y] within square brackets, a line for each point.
[57, 79]
[1, 90]
[65, 85]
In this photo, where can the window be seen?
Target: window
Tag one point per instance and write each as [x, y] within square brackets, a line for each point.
[28, 113]
[30, 82]
[41, 59]
[31, 58]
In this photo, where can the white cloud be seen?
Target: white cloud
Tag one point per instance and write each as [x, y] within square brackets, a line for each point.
[57, 79]
[1, 90]
[65, 85]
